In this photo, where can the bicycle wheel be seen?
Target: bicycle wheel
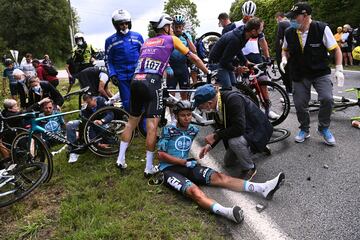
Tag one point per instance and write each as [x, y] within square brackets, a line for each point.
[246, 90]
[105, 139]
[279, 101]
[21, 181]
[25, 150]
[279, 134]
[272, 71]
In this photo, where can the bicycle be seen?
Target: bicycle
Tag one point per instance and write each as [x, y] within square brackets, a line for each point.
[18, 181]
[269, 96]
[273, 72]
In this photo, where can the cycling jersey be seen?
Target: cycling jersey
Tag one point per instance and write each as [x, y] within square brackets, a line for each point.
[252, 45]
[155, 53]
[122, 53]
[176, 142]
[177, 57]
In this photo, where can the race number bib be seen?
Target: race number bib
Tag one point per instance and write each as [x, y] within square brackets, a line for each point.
[152, 65]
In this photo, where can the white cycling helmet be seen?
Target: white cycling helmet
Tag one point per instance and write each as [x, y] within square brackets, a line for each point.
[121, 16]
[160, 21]
[248, 8]
[79, 35]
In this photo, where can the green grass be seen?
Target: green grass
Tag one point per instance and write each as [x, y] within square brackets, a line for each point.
[92, 200]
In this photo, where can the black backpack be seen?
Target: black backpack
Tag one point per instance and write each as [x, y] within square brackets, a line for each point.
[50, 70]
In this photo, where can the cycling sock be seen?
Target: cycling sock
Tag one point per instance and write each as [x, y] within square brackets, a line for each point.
[149, 160]
[254, 187]
[122, 151]
[221, 210]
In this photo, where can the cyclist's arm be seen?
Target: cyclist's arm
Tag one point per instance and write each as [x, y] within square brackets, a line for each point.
[102, 82]
[55, 95]
[165, 157]
[227, 57]
[178, 45]
[191, 44]
[264, 46]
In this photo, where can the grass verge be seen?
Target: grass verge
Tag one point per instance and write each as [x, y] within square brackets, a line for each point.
[92, 200]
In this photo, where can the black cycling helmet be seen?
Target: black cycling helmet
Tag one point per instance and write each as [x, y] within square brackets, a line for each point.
[8, 62]
[182, 105]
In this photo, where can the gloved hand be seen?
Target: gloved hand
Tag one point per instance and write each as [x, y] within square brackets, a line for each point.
[339, 75]
[283, 64]
[191, 163]
[184, 36]
[114, 79]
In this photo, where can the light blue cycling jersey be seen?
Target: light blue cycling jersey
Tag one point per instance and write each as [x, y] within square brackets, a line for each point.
[176, 142]
[177, 57]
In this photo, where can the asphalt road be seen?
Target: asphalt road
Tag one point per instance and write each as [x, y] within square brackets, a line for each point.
[315, 202]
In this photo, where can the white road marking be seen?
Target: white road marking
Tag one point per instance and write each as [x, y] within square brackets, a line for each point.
[260, 223]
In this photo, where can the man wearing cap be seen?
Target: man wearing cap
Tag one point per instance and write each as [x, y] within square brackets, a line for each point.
[305, 50]
[245, 129]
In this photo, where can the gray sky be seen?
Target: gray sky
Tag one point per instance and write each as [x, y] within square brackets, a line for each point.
[96, 16]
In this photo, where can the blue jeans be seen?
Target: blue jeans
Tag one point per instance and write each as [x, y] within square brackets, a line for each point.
[226, 78]
[71, 128]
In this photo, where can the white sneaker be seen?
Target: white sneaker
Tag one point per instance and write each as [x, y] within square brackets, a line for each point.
[73, 157]
[272, 115]
[272, 186]
[121, 166]
[148, 173]
[237, 214]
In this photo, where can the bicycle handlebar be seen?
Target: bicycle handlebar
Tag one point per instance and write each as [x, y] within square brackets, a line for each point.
[80, 91]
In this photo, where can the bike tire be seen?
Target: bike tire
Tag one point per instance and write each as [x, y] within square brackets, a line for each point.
[108, 134]
[247, 91]
[37, 151]
[279, 134]
[280, 102]
[22, 176]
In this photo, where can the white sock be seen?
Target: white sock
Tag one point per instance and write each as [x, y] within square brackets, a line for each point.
[122, 151]
[221, 210]
[149, 160]
[254, 187]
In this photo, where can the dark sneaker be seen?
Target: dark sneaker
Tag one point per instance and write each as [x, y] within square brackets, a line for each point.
[249, 174]
[273, 185]
[237, 214]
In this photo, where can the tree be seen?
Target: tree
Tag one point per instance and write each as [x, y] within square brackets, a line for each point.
[38, 27]
[185, 8]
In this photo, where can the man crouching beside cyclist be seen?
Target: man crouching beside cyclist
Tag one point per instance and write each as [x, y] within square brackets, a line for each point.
[184, 174]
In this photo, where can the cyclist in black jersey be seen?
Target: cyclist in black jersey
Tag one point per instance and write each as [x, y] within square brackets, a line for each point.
[184, 174]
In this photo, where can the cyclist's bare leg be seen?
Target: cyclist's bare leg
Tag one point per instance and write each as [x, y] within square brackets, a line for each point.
[130, 127]
[151, 135]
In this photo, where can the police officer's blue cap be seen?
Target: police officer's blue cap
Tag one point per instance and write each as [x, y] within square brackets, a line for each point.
[203, 94]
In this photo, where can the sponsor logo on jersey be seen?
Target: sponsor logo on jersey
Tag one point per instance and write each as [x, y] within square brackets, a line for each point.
[154, 42]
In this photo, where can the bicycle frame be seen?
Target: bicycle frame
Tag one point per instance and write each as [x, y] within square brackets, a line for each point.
[4, 179]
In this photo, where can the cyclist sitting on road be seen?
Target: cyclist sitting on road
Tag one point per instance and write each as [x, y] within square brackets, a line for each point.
[146, 86]
[93, 103]
[40, 90]
[122, 50]
[244, 127]
[178, 61]
[97, 79]
[184, 174]
[54, 125]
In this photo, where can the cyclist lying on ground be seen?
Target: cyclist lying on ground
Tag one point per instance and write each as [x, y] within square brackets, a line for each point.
[182, 173]
[94, 103]
[245, 129]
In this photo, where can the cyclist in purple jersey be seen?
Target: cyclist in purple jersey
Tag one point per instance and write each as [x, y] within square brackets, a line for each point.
[146, 87]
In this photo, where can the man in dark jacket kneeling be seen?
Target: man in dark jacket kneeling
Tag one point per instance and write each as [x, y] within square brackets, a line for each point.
[245, 129]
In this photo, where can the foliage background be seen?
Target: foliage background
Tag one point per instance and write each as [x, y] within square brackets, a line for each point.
[37, 27]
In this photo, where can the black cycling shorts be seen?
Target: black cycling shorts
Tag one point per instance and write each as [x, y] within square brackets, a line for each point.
[181, 76]
[181, 178]
[146, 95]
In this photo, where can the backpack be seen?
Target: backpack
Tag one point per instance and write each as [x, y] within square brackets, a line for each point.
[50, 70]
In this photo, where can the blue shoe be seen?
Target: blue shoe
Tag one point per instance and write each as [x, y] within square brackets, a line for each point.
[327, 135]
[301, 136]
